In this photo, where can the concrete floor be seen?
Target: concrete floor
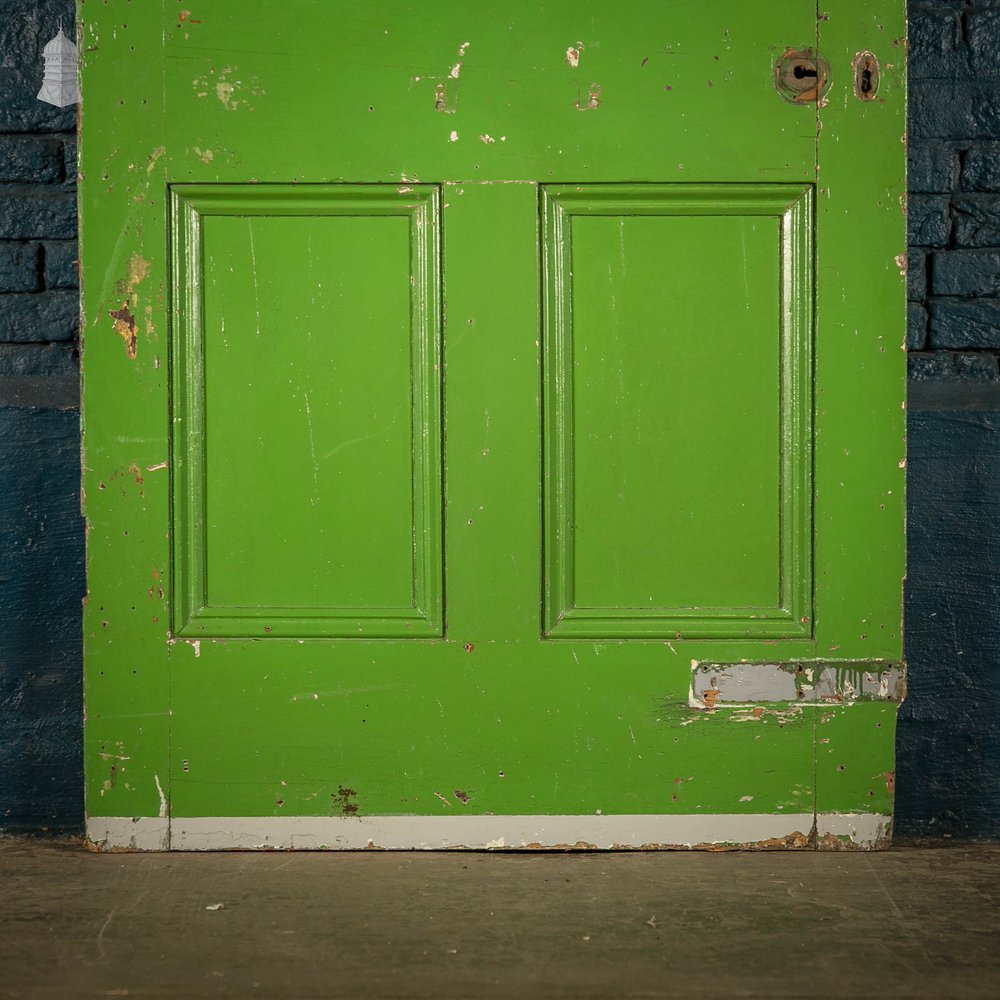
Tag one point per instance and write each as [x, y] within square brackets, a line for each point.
[906, 923]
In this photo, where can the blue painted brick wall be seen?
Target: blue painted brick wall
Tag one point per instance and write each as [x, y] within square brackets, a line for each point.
[948, 747]
[949, 734]
[954, 182]
[41, 531]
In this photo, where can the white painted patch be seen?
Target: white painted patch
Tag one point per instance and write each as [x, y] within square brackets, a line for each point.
[128, 833]
[457, 68]
[429, 833]
[163, 798]
[861, 829]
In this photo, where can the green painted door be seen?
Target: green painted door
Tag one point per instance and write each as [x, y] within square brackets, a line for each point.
[494, 423]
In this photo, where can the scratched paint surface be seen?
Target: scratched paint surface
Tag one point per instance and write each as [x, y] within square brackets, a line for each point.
[255, 268]
[314, 422]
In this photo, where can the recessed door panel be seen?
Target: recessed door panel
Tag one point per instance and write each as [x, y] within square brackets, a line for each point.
[307, 487]
[678, 421]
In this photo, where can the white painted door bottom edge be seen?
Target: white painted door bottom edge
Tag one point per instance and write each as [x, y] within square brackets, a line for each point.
[864, 831]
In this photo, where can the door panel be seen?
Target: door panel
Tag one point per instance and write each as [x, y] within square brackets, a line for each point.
[308, 455]
[460, 387]
[678, 375]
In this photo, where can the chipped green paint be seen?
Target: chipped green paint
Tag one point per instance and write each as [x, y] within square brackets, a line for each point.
[479, 377]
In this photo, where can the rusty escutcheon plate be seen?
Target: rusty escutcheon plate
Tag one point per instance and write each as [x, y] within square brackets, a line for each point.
[801, 76]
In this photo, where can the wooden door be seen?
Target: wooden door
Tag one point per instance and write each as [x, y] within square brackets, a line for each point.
[494, 428]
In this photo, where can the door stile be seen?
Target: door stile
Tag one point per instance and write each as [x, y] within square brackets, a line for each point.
[493, 506]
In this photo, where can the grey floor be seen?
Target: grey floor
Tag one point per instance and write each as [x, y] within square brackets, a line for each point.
[904, 923]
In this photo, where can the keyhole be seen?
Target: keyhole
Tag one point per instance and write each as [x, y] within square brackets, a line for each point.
[801, 75]
[866, 73]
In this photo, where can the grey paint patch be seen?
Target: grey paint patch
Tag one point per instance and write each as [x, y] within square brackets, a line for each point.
[518, 833]
[808, 683]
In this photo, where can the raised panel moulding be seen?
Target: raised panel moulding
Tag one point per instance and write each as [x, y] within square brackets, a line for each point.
[678, 414]
[306, 400]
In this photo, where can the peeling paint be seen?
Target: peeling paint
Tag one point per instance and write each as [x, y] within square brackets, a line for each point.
[126, 329]
[442, 101]
[231, 90]
[806, 683]
[573, 55]
[150, 327]
[593, 99]
[117, 834]
[343, 800]
[163, 798]
[760, 714]
[153, 157]
[125, 324]
[457, 68]
[136, 270]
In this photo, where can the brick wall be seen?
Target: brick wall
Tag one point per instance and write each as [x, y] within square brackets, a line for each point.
[949, 734]
[954, 184]
[41, 532]
[948, 745]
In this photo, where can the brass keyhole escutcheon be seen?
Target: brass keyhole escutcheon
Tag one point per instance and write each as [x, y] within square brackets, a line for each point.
[866, 76]
[801, 76]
